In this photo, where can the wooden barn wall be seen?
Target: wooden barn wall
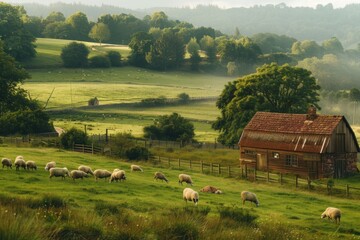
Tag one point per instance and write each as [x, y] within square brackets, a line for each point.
[350, 146]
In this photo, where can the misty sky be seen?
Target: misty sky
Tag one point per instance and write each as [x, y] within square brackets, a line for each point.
[141, 4]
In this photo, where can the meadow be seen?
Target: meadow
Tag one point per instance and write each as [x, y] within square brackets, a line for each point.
[142, 208]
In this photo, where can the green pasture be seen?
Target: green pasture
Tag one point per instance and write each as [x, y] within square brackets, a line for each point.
[286, 206]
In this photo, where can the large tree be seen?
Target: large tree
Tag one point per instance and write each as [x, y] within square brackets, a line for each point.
[80, 24]
[100, 32]
[140, 45]
[272, 88]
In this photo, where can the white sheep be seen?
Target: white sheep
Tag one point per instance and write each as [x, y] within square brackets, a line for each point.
[50, 165]
[161, 176]
[332, 213]
[86, 169]
[31, 165]
[20, 162]
[185, 178]
[249, 196]
[59, 172]
[190, 195]
[211, 189]
[6, 162]
[75, 174]
[117, 176]
[101, 173]
[135, 168]
[116, 169]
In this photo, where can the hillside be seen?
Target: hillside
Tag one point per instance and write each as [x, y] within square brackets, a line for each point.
[282, 210]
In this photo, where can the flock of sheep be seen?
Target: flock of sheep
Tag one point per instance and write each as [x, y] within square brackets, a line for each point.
[119, 175]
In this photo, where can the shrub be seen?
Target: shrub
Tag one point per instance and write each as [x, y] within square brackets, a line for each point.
[99, 62]
[121, 143]
[115, 58]
[153, 102]
[183, 97]
[75, 55]
[73, 136]
[137, 153]
[237, 214]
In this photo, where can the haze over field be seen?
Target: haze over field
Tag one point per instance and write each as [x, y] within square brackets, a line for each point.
[142, 4]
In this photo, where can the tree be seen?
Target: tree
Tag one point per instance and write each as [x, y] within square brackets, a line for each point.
[333, 46]
[231, 68]
[193, 49]
[170, 127]
[17, 41]
[160, 20]
[80, 25]
[306, 49]
[100, 32]
[73, 136]
[208, 45]
[55, 17]
[75, 55]
[115, 58]
[58, 30]
[140, 45]
[272, 88]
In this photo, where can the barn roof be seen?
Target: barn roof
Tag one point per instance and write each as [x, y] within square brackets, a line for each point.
[290, 132]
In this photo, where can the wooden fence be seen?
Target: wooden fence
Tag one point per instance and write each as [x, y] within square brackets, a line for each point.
[88, 149]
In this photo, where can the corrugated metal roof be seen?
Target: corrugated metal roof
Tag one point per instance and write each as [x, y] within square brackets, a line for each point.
[289, 132]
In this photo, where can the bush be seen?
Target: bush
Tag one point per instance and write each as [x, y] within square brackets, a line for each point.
[115, 58]
[237, 214]
[183, 97]
[73, 136]
[75, 55]
[99, 62]
[137, 153]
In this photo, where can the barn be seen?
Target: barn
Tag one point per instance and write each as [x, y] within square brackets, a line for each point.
[308, 145]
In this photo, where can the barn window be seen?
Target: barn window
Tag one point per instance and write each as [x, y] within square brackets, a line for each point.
[249, 152]
[291, 160]
[276, 155]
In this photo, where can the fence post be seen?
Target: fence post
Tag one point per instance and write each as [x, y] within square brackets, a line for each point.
[296, 181]
[202, 167]
[219, 169]
[268, 176]
[245, 170]
[83, 148]
[347, 190]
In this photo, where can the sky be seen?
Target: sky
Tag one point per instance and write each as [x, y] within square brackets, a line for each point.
[141, 4]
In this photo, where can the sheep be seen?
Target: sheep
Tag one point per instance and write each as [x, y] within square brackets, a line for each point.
[86, 169]
[117, 175]
[31, 165]
[136, 168]
[59, 172]
[190, 195]
[101, 173]
[20, 162]
[249, 196]
[50, 165]
[115, 170]
[75, 174]
[332, 213]
[161, 176]
[185, 178]
[211, 189]
[6, 162]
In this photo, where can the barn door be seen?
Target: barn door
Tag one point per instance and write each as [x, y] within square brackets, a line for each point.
[261, 161]
[340, 168]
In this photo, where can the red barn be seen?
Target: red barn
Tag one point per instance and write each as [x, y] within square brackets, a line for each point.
[308, 145]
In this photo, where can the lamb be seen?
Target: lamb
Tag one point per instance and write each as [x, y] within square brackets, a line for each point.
[332, 213]
[50, 165]
[59, 172]
[20, 162]
[211, 189]
[185, 178]
[136, 168]
[31, 165]
[249, 196]
[86, 169]
[101, 173]
[75, 174]
[161, 176]
[6, 162]
[190, 195]
[117, 175]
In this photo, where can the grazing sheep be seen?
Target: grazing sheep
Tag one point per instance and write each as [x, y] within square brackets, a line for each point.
[185, 178]
[101, 173]
[116, 169]
[86, 169]
[332, 213]
[59, 172]
[50, 165]
[161, 176]
[20, 162]
[6, 162]
[75, 174]
[31, 165]
[249, 196]
[135, 168]
[190, 195]
[211, 189]
[117, 175]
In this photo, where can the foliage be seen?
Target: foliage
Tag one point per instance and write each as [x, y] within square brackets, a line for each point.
[153, 102]
[239, 215]
[140, 45]
[184, 97]
[80, 26]
[273, 43]
[231, 68]
[59, 30]
[332, 46]
[99, 61]
[18, 42]
[306, 49]
[272, 88]
[73, 136]
[170, 127]
[100, 32]
[121, 142]
[208, 45]
[75, 55]
[137, 153]
[115, 58]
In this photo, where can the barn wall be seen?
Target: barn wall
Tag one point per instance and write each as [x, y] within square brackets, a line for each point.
[336, 140]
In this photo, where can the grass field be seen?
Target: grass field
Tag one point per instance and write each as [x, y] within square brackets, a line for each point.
[283, 210]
